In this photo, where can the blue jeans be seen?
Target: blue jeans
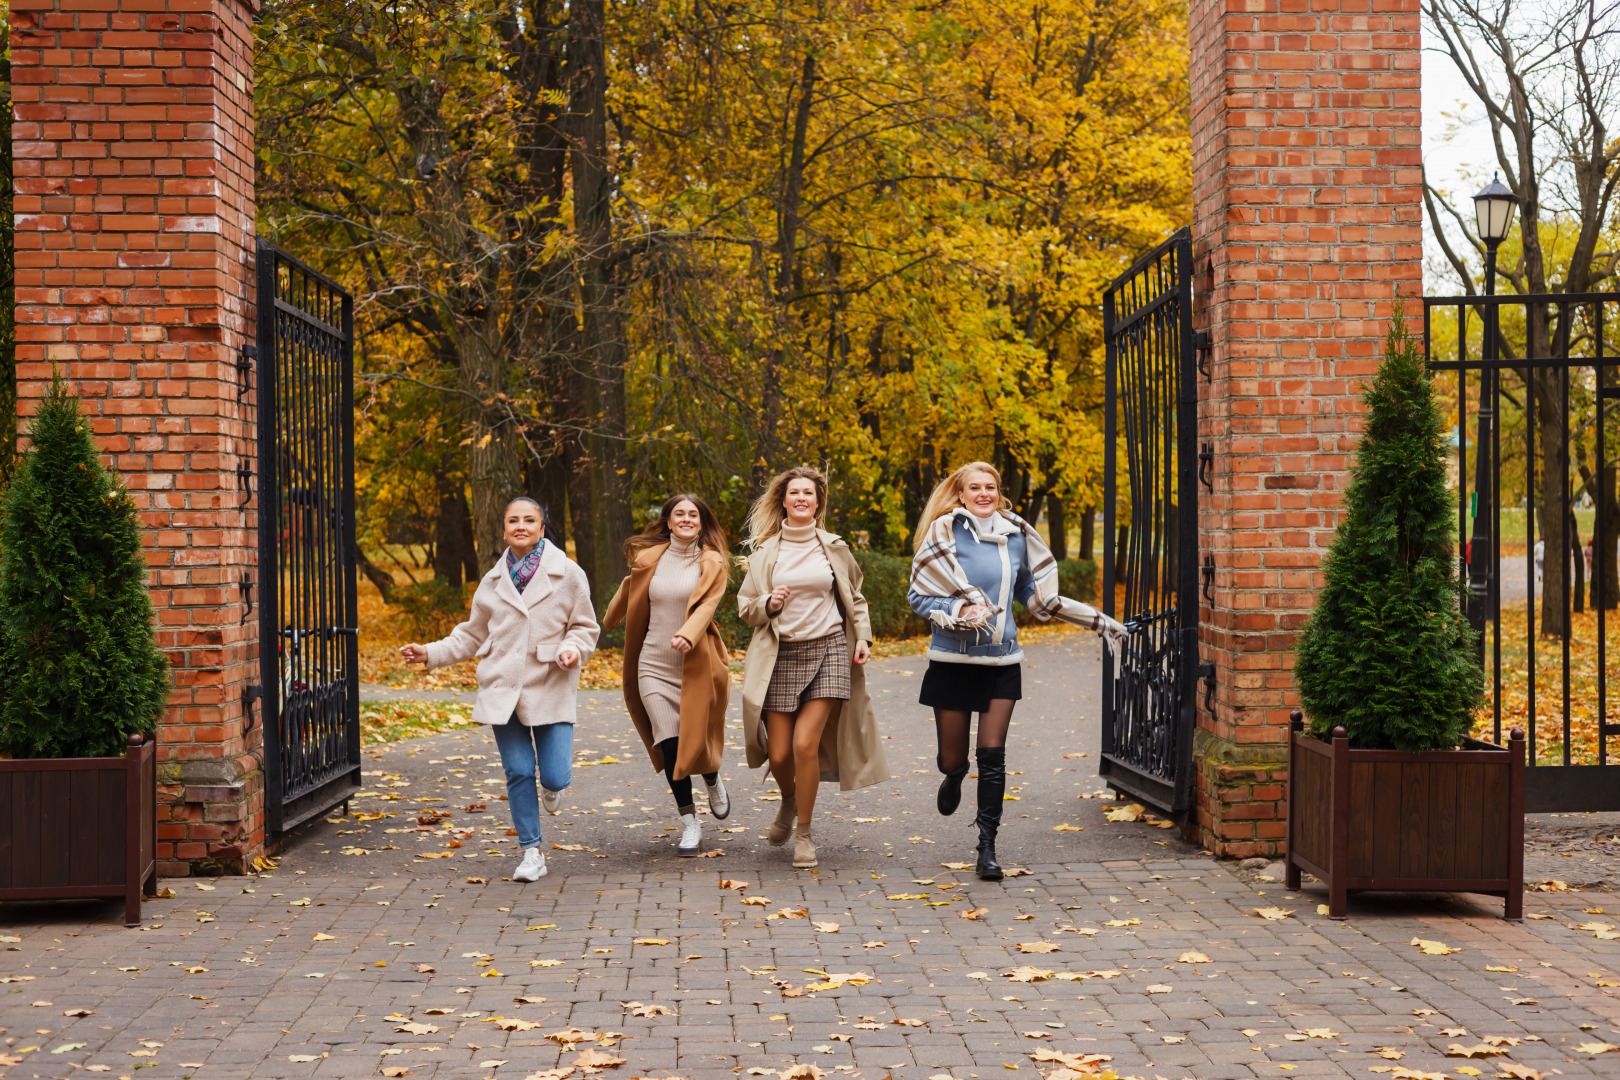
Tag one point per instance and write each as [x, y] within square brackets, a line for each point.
[548, 750]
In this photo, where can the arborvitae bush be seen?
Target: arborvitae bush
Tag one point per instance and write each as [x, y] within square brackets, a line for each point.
[80, 671]
[1388, 653]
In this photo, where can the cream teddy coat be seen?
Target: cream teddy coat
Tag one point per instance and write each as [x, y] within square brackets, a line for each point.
[516, 638]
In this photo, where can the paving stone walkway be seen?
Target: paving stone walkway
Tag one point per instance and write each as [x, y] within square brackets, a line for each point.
[1121, 948]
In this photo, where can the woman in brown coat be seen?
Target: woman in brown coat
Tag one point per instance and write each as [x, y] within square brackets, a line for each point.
[676, 666]
[804, 682]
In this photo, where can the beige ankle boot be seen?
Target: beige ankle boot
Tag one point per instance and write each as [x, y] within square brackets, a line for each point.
[804, 852]
[782, 827]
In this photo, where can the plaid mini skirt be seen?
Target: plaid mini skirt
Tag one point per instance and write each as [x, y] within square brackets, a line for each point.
[806, 670]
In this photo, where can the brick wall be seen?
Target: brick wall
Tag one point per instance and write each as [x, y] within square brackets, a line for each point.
[1307, 222]
[134, 219]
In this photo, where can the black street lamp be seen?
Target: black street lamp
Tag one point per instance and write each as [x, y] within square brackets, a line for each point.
[1493, 217]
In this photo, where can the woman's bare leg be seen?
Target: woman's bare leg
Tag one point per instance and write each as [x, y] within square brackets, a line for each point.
[810, 722]
[779, 748]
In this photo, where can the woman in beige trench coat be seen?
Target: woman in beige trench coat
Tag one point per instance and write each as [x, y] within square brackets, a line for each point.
[677, 672]
[805, 707]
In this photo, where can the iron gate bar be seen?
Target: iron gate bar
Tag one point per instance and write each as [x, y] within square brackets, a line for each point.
[308, 635]
[1567, 787]
[1151, 383]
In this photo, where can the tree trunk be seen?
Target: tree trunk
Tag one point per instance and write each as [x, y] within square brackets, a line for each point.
[1057, 527]
[1088, 533]
[378, 577]
[603, 350]
[1578, 592]
[1605, 587]
[766, 442]
[449, 526]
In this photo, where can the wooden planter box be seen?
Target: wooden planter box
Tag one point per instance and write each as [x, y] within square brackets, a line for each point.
[1439, 820]
[73, 828]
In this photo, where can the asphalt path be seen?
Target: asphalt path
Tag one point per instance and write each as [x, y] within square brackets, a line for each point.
[619, 816]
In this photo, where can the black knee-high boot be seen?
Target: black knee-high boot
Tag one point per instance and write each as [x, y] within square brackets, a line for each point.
[992, 788]
[950, 788]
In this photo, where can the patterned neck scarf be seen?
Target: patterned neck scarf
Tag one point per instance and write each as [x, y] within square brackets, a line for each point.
[523, 570]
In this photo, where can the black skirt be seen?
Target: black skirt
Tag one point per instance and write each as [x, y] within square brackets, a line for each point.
[969, 687]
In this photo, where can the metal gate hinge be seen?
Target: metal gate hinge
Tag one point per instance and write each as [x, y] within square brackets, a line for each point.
[251, 693]
[1209, 580]
[1207, 673]
[244, 589]
[244, 479]
[244, 370]
[1204, 346]
[1206, 467]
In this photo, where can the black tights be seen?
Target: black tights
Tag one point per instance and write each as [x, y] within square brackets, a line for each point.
[682, 788]
[951, 728]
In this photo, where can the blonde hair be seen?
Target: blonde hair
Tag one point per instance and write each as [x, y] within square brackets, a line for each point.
[947, 496]
[765, 517]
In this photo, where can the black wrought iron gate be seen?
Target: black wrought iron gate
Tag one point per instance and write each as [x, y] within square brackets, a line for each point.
[1150, 566]
[308, 635]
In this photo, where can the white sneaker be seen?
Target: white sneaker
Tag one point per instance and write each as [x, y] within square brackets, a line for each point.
[691, 841]
[533, 866]
[719, 801]
[551, 800]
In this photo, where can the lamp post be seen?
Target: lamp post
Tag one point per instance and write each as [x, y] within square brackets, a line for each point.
[1493, 217]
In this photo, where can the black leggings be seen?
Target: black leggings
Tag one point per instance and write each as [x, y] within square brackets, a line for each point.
[682, 788]
[951, 729]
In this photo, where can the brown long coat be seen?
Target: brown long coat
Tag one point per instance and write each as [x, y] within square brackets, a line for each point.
[705, 671]
[851, 749]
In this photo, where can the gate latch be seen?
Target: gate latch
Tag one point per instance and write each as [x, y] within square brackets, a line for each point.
[1207, 673]
[1206, 466]
[1204, 346]
[1209, 579]
[251, 693]
[244, 479]
[244, 589]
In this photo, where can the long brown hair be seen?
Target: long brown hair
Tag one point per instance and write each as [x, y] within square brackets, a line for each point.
[765, 517]
[947, 496]
[710, 534]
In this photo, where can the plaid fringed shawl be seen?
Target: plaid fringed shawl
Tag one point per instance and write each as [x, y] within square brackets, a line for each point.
[935, 571]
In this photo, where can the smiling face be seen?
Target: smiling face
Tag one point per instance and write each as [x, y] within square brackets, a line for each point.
[685, 521]
[799, 501]
[980, 494]
[524, 526]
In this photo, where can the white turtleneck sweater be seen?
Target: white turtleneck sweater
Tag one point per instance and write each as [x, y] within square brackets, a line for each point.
[658, 670]
[811, 610]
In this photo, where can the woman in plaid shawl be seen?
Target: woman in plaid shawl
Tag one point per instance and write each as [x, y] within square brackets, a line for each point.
[974, 558]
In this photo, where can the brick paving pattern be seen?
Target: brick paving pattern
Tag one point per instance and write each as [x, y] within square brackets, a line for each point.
[313, 968]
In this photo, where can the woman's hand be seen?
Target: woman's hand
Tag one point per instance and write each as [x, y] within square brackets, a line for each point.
[779, 599]
[413, 654]
[972, 613]
[680, 644]
[863, 652]
[568, 658]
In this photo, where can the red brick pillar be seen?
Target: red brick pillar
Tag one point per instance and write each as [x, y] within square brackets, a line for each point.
[134, 218]
[1307, 222]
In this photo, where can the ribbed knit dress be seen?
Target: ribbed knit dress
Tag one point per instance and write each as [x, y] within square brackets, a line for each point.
[658, 676]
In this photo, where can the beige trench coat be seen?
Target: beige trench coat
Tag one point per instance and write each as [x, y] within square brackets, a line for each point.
[851, 748]
[516, 637]
[705, 671]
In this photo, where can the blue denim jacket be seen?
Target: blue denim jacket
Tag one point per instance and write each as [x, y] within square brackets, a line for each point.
[998, 567]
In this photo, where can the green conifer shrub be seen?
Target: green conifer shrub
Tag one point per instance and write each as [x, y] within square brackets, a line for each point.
[80, 671]
[1387, 653]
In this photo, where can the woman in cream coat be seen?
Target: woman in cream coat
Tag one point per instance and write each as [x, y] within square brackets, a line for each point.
[531, 628]
[677, 669]
[810, 715]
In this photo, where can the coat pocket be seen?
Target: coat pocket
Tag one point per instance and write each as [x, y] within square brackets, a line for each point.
[546, 651]
[485, 649]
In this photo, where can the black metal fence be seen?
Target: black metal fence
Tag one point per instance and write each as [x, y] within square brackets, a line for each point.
[1151, 408]
[1535, 444]
[308, 634]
